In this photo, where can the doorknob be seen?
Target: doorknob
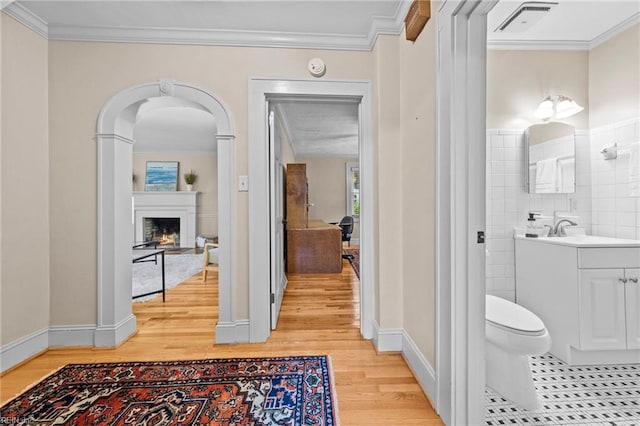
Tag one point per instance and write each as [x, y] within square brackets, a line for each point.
[622, 280]
[634, 280]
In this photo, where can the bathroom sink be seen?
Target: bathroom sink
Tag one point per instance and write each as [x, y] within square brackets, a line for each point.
[587, 241]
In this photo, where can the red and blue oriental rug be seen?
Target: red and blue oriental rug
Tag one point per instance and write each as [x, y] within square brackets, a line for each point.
[250, 391]
[355, 259]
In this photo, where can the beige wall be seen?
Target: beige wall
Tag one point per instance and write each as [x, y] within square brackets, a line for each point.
[517, 81]
[84, 76]
[389, 196]
[25, 184]
[418, 124]
[614, 82]
[205, 165]
[326, 178]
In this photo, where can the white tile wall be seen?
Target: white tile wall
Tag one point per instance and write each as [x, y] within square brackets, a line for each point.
[615, 212]
[601, 200]
[508, 202]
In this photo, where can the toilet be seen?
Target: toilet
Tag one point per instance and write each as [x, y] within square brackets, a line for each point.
[512, 334]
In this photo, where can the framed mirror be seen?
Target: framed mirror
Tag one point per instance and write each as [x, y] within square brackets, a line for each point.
[550, 151]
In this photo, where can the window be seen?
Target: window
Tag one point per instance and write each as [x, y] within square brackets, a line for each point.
[353, 190]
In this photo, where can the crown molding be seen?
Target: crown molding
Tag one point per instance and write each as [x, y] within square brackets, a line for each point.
[23, 15]
[537, 45]
[611, 33]
[380, 25]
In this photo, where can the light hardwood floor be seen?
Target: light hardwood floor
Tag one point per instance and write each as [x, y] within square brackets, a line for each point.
[319, 316]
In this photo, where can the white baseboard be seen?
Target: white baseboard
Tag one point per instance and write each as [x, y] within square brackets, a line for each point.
[398, 340]
[72, 335]
[232, 332]
[24, 348]
[424, 372]
[387, 340]
[112, 335]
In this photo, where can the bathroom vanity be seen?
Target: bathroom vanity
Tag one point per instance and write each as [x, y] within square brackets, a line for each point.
[586, 289]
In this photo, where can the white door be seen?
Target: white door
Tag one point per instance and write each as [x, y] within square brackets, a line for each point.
[602, 309]
[632, 293]
[276, 190]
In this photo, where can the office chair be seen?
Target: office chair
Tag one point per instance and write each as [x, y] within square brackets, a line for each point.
[346, 224]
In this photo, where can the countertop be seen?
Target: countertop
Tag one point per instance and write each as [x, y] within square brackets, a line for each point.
[584, 241]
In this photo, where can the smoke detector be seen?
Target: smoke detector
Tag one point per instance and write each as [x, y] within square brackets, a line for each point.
[525, 16]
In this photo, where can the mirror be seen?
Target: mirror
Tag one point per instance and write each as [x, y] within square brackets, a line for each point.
[551, 155]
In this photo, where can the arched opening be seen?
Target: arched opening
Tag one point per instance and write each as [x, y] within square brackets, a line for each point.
[114, 136]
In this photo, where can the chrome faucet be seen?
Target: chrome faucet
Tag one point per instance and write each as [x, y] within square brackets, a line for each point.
[558, 230]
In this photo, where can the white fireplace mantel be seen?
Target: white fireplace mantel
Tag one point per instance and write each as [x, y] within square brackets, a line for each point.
[180, 204]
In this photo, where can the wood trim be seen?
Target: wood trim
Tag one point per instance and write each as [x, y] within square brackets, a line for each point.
[417, 17]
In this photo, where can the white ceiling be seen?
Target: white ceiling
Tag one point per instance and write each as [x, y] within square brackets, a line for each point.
[333, 24]
[168, 124]
[321, 127]
[571, 24]
[330, 24]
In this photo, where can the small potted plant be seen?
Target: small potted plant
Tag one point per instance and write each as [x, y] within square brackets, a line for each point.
[189, 179]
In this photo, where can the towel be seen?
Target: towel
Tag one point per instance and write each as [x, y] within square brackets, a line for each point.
[634, 170]
[547, 176]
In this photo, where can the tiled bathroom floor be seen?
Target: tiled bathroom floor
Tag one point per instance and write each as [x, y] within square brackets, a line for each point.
[574, 395]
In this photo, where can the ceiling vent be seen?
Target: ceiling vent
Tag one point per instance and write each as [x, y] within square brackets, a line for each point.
[525, 16]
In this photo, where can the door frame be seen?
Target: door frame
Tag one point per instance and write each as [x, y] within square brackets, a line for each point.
[460, 210]
[260, 89]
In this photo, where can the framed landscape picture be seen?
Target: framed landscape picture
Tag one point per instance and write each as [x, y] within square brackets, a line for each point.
[161, 176]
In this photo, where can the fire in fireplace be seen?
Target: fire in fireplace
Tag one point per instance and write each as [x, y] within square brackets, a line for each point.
[163, 230]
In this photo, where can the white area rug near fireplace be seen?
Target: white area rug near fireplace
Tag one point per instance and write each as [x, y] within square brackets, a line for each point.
[147, 276]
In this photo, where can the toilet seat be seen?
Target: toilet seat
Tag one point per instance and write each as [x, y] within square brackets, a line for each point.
[513, 318]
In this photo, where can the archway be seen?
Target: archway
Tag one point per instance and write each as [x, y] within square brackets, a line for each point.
[114, 136]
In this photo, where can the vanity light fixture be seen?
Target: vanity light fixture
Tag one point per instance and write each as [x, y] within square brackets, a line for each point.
[558, 107]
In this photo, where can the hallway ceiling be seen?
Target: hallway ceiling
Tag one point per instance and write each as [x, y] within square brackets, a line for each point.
[321, 127]
[330, 24]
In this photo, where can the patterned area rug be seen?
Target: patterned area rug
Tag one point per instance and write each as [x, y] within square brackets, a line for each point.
[251, 391]
[355, 262]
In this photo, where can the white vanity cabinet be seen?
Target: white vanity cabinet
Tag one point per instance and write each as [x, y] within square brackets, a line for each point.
[603, 309]
[632, 297]
[587, 292]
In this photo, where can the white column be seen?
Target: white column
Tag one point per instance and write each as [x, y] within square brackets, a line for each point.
[115, 319]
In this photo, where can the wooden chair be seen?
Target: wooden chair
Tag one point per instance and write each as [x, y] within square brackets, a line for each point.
[209, 259]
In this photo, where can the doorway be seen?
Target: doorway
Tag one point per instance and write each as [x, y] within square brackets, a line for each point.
[260, 91]
[114, 137]
[320, 135]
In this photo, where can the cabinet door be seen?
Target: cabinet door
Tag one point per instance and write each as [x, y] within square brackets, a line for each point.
[632, 292]
[602, 309]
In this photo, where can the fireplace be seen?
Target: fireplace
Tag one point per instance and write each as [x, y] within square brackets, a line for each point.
[174, 214]
[165, 231]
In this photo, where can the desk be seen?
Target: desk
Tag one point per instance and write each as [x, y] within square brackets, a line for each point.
[140, 255]
[315, 249]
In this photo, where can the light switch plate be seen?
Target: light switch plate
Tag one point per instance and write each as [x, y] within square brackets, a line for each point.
[243, 183]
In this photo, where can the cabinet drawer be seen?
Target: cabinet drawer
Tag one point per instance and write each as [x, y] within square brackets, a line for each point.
[609, 257]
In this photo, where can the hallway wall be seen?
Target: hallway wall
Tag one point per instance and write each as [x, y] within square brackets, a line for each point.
[24, 165]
